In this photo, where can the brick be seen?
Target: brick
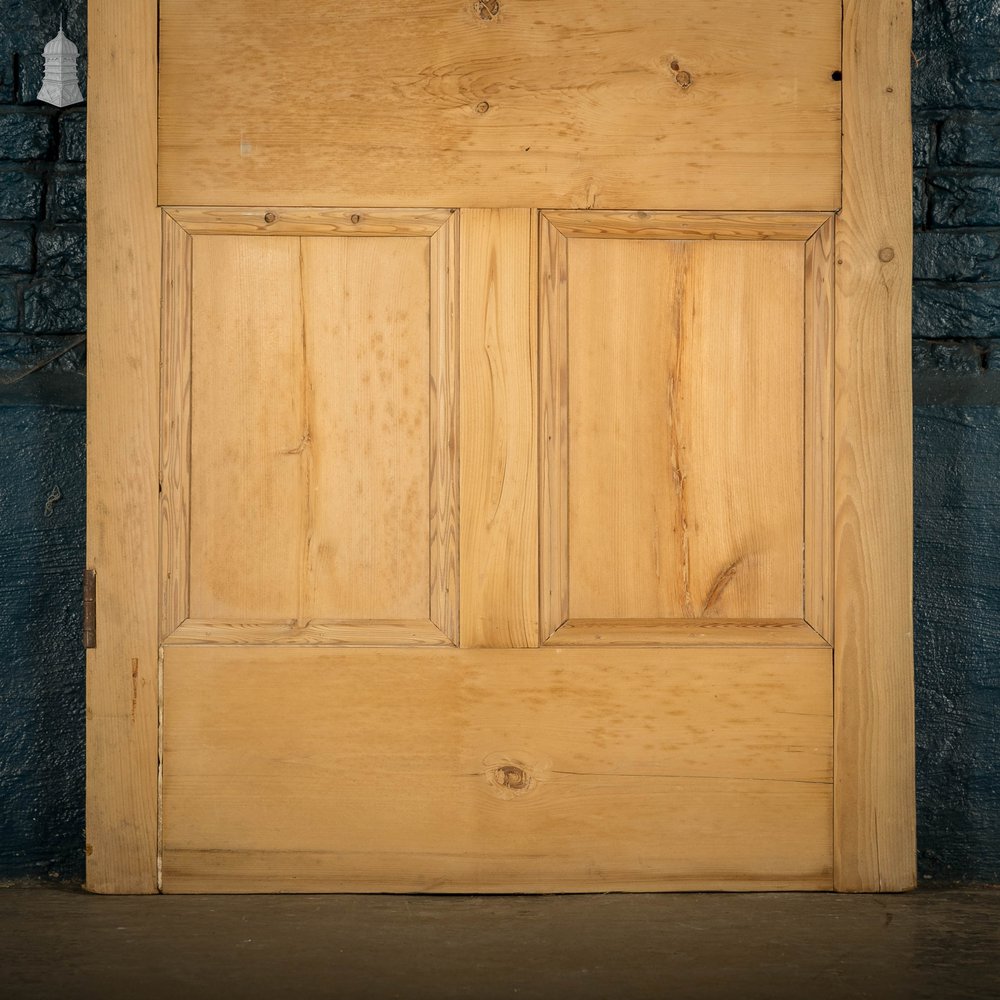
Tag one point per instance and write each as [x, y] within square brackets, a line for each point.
[968, 142]
[919, 201]
[948, 76]
[965, 200]
[73, 136]
[947, 312]
[922, 143]
[943, 255]
[956, 48]
[18, 351]
[16, 248]
[68, 198]
[993, 356]
[7, 95]
[954, 357]
[25, 135]
[62, 250]
[971, 21]
[8, 305]
[928, 23]
[55, 305]
[20, 195]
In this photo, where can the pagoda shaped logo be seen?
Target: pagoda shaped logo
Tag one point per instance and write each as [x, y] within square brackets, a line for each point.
[60, 86]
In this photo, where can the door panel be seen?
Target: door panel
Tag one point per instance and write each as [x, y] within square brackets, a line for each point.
[678, 404]
[487, 770]
[685, 429]
[318, 492]
[626, 104]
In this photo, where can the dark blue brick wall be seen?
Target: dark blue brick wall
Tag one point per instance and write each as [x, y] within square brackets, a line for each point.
[42, 448]
[42, 507]
[956, 205]
[957, 634]
[956, 355]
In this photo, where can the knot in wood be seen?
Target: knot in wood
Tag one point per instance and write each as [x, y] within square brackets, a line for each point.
[355, 218]
[488, 9]
[482, 107]
[270, 217]
[511, 776]
[683, 79]
[886, 254]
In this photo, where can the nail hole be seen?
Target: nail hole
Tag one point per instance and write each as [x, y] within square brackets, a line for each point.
[836, 75]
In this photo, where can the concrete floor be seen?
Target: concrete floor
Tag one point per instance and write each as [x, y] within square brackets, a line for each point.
[66, 944]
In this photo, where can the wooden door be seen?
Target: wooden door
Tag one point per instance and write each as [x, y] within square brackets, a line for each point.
[508, 489]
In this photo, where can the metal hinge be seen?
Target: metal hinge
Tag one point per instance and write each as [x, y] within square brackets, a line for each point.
[89, 609]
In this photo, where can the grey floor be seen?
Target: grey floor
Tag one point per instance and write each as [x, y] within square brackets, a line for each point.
[63, 943]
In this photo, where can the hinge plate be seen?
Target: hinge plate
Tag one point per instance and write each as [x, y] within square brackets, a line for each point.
[89, 609]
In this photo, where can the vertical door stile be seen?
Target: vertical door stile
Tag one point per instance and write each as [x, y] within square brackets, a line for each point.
[123, 320]
[499, 485]
[875, 800]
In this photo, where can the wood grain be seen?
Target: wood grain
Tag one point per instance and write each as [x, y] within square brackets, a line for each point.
[444, 428]
[369, 378]
[553, 403]
[175, 428]
[691, 104]
[499, 530]
[257, 221]
[123, 320]
[490, 771]
[820, 333]
[875, 821]
[317, 632]
[797, 226]
[249, 463]
[340, 382]
[687, 632]
[712, 762]
[685, 462]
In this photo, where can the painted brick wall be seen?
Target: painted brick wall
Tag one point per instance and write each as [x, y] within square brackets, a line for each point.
[42, 499]
[956, 111]
[956, 328]
[956, 203]
[42, 195]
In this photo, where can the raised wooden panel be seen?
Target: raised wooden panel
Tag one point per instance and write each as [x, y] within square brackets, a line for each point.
[716, 104]
[308, 432]
[485, 770]
[686, 458]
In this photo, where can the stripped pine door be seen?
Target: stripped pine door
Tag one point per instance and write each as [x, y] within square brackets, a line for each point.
[502, 483]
